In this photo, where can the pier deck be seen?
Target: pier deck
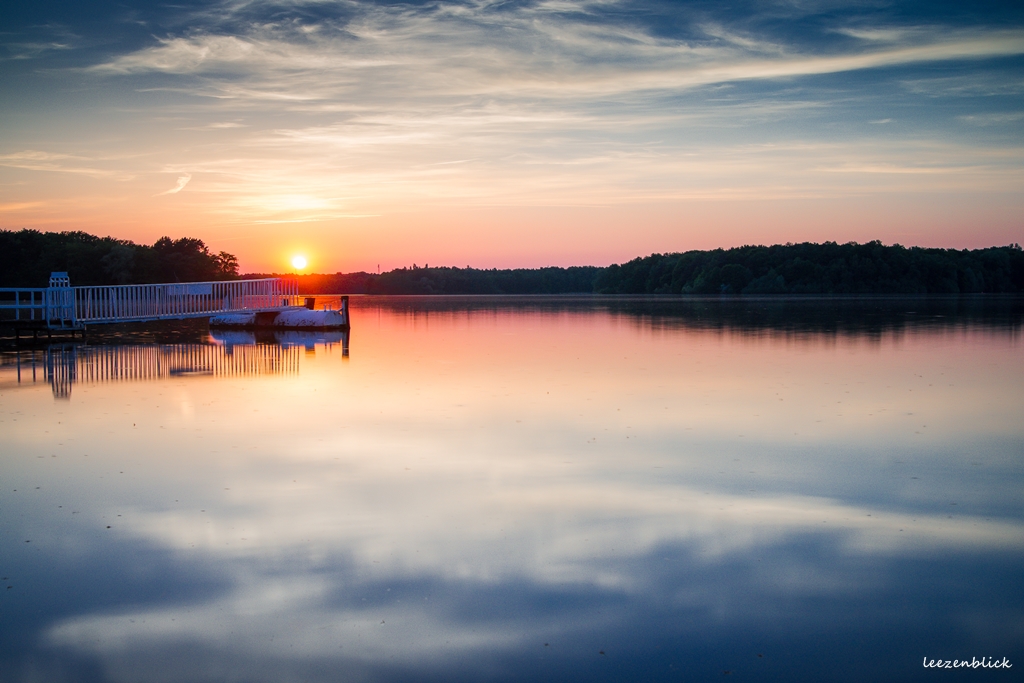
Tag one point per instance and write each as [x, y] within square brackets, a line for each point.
[61, 307]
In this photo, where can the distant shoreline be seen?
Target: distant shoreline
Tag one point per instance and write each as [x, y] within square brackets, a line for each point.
[791, 269]
[27, 257]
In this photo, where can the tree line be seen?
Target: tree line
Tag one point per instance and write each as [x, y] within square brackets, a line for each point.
[27, 257]
[445, 280]
[807, 268]
[827, 268]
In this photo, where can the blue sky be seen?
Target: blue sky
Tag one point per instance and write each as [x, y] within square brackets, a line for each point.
[513, 133]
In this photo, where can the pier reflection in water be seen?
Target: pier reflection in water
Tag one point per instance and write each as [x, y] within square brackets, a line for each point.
[534, 490]
[231, 354]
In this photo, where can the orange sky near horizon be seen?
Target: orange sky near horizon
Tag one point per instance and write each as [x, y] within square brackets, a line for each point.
[538, 236]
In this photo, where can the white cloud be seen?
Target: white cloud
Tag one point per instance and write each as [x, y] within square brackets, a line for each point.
[528, 51]
[179, 186]
[876, 35]
[36, 160]
[992, 119]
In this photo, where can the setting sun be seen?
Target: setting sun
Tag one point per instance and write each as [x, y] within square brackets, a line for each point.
[298, 262]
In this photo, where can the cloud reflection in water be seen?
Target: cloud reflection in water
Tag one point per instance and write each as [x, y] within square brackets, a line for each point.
[473, 484]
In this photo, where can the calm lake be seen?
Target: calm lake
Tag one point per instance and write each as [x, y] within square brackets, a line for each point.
[520, 489]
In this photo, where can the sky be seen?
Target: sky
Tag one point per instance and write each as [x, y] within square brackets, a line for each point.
[512, 134]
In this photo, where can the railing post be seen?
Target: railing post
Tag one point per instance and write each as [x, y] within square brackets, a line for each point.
[60, 300]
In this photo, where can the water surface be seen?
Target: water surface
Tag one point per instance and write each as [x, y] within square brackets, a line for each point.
[521, 489]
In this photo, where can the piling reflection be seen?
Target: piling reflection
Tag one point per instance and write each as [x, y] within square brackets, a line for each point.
[231, 354]
[287, 339]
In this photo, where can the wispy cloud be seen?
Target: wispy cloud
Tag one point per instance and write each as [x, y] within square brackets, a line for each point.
[26, 51]
[35, 160]
[179, 186]
[19, 206]
[875, 35]
[216, 125]
[506, 53]
[993, 119]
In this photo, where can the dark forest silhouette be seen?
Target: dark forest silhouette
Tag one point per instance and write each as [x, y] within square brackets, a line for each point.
[444, 280]
[807, 268]
[27, 257]
[827, 268]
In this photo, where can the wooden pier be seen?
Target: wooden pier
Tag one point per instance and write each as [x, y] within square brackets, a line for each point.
[61, 309]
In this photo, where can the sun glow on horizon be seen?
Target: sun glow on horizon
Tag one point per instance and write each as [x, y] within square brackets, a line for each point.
[299, 262]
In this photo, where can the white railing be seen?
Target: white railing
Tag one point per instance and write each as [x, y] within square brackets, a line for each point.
[135, 303]
[63, 306]
[25, 304]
